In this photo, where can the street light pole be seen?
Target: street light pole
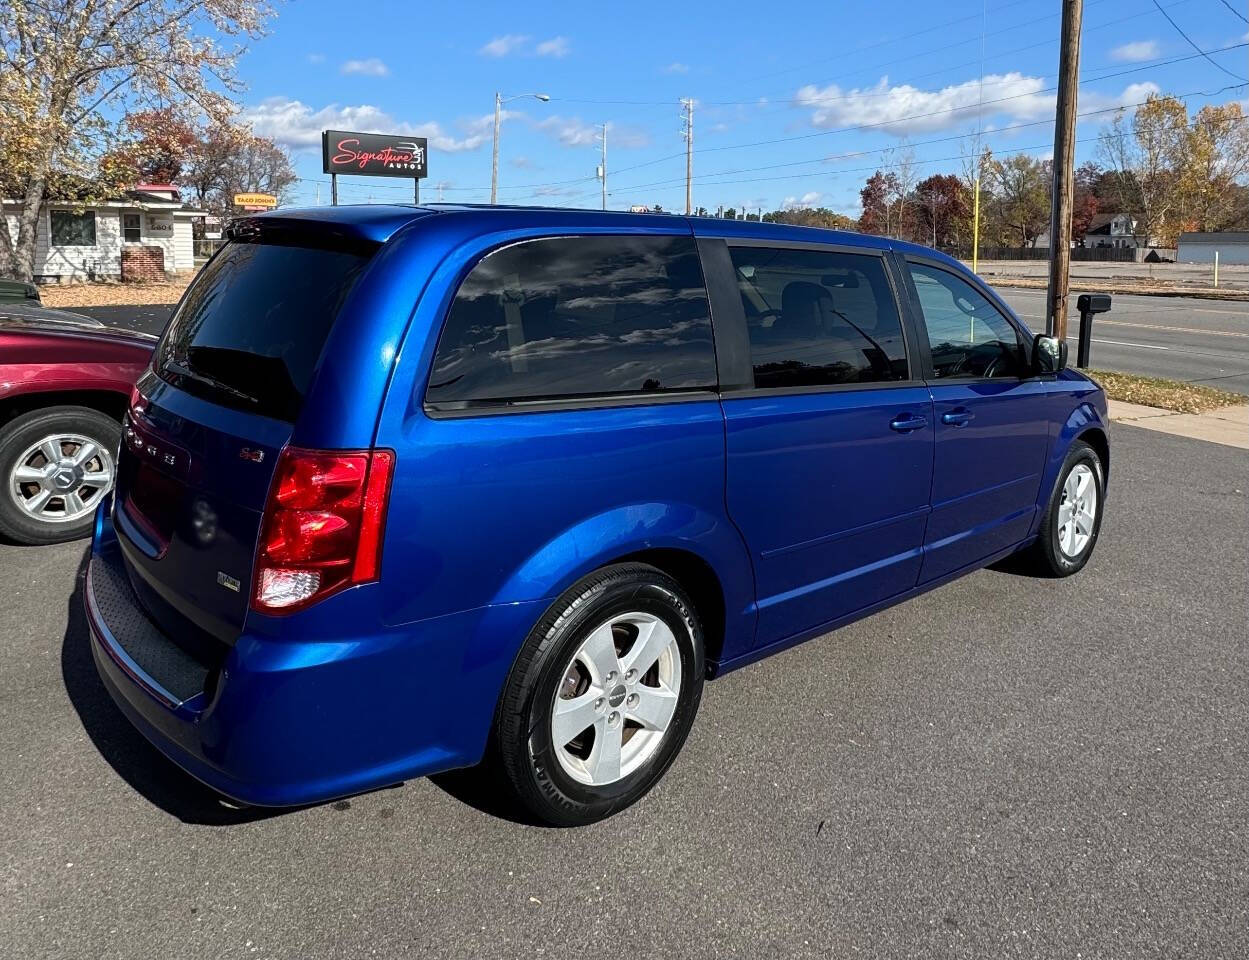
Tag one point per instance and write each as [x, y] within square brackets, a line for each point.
[499, 100]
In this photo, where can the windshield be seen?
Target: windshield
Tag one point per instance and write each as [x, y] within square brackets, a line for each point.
[253, 324]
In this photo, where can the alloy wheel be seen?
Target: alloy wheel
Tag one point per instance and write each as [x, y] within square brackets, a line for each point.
[1077, 510]
[61, 478]
[617, 698]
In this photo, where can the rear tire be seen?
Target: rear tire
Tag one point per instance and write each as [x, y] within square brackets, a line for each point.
[47, 496]
[1073, 516]
[601, 697]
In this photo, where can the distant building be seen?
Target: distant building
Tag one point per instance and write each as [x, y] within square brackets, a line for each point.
[1200, 248]
[1115, 230]
[87, 242]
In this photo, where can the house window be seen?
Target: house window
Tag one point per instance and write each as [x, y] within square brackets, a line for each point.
[70, 229]
[130, 229]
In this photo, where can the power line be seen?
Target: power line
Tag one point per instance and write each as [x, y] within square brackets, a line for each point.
[1194, 45]
[1234, 10]
[933, 113]
[876, 66]
[1088, 113]
[523, 187]
[860, 127]
[874, 167]
[922, 116]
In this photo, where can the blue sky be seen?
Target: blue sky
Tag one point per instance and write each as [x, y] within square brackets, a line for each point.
[796, 102]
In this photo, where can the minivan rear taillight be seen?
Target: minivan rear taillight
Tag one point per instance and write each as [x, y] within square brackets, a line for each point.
[322, 527]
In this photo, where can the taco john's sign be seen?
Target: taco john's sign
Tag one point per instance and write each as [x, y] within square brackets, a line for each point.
[374, 154]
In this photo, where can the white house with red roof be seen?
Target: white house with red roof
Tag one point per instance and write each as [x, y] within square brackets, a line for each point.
[89, 242]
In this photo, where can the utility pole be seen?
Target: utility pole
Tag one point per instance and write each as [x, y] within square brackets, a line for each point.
[1064, 171]
[688, 103]
[975, 224]
[602, 170]
[494, 161]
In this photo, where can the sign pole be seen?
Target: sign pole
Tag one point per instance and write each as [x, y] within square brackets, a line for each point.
[374, 155]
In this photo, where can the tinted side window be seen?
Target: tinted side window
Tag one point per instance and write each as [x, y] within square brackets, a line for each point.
[819, 317]
[967, 334]
[577, 317]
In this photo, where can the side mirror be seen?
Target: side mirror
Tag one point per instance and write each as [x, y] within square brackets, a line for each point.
[1049, 354]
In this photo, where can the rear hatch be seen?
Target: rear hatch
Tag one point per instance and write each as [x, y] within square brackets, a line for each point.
[227, 383]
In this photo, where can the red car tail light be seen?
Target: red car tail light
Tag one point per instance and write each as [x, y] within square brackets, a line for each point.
[322, 527]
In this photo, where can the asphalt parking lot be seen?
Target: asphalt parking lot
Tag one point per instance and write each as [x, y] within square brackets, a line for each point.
[1003, 767]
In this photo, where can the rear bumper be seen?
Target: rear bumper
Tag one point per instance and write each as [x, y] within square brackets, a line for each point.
[287, 721]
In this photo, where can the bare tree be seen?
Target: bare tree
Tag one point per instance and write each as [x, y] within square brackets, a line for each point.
[230, 159]
[905, 171]
[899, 166]
[70, 69]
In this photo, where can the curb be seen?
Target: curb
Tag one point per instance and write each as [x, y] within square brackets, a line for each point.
[1121, 289]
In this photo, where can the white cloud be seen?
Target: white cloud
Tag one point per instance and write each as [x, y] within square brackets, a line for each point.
[555, 47]
[315, 58]
[902, 110]
[502, 46]
[1136, 51]
[676, 67]
[1134, 93]
[369, 67]
[575, 132]
[293, 123]
[570, 131]
[809, 199]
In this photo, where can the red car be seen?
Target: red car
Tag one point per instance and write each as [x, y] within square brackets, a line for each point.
[64, 383]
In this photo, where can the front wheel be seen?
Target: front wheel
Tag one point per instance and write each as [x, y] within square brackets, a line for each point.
[1073, 516]
[602, 695]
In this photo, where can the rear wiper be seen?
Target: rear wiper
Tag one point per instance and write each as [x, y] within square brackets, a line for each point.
[182, 370]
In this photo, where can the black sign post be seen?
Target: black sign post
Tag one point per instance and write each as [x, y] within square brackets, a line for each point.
[374, 155]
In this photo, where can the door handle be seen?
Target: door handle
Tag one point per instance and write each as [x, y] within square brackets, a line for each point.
[958, 418]
[906, 422]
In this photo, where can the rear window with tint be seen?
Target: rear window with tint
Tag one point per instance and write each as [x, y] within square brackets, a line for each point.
[253, 324]
[575, 317]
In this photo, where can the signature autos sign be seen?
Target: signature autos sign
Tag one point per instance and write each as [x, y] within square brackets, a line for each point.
[374, 154]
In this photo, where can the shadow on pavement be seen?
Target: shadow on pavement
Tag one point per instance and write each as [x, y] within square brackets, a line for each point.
[140, 764]
[480, 788]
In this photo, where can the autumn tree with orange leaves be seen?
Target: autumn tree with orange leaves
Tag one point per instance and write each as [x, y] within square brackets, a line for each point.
[69, 69]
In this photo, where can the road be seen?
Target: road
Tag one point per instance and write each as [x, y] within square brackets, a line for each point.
[1003, 767]
[1203, 341]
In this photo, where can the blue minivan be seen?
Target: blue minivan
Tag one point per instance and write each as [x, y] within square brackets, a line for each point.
[407, 489]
